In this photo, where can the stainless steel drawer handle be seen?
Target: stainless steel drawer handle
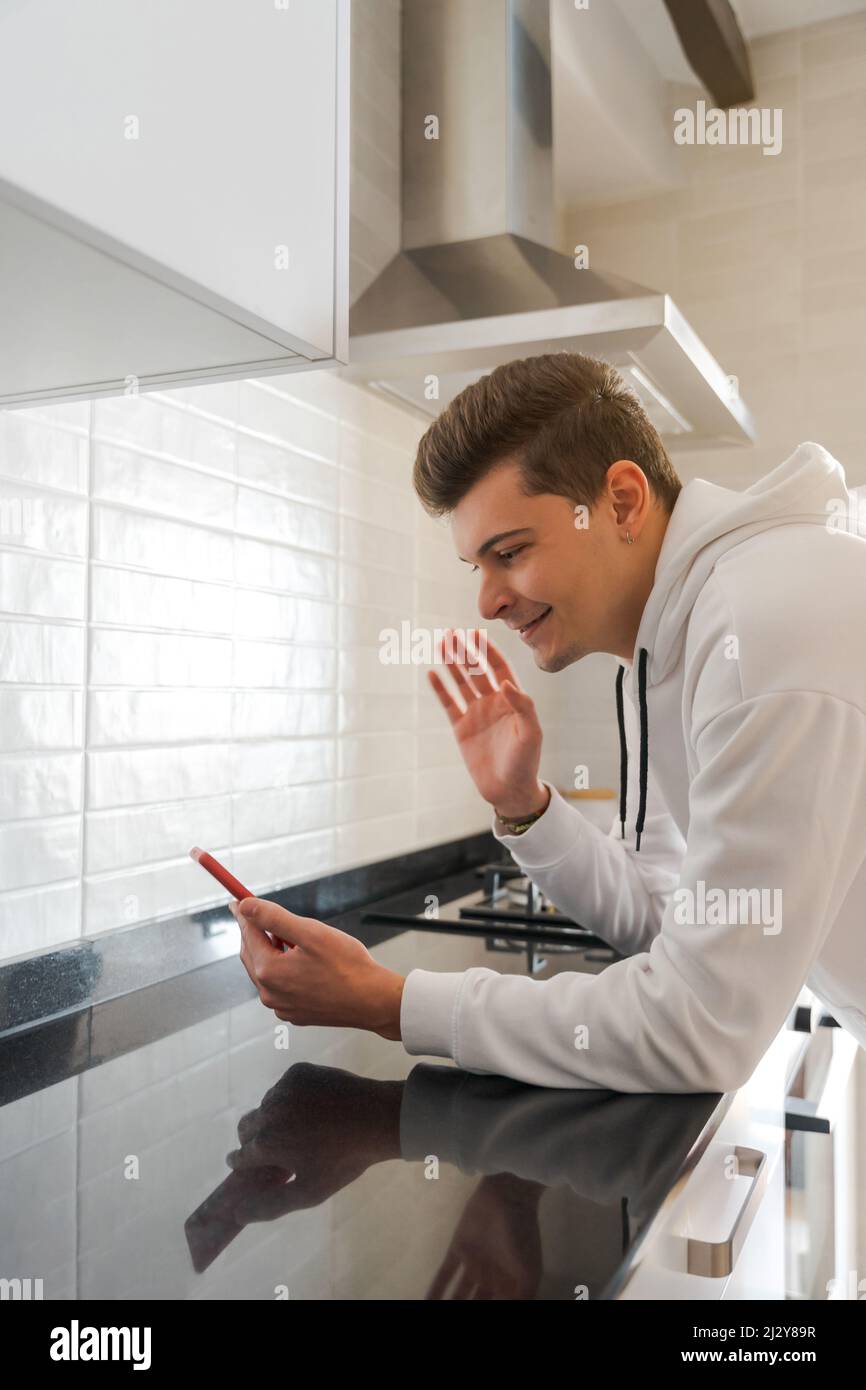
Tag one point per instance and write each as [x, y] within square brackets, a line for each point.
[820, 1116]
[716, 1259]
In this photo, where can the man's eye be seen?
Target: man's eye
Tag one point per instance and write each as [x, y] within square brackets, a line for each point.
[506, 555]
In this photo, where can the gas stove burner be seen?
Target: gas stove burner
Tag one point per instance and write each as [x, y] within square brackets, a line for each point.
[522, 892]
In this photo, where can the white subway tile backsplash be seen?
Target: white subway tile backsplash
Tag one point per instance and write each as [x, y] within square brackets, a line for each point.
[284, 619]
[449, 600]
[272, 664]
[287, 472]
[191, 437]
[364, 798]
[290, 860]
[135, 776]
[379, 503]
[39, 918]
[363, 755]
[41, 653]
[281, 763]
[371, 840]
[48, 784]
[35, 719]
[258, 714]
[470, 817]
[276, 812]
[154, 543]
[361, 584]
[266, 411]
[158, 716]
[363, 451]
[135, 835]
[366, 626]
[38, 586]
[137, 599]
[193, 590]
[39, 852]
[364, 713]
[122, 657]
[265, 566]
[42, 520]
[38, 453]
[366, 544]
[155, 485]
[363, 670]
[146, 891]
[267, 517]
[133, 419]
[218, 399]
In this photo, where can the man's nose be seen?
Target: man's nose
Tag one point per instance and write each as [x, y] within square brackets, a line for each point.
[494, 600]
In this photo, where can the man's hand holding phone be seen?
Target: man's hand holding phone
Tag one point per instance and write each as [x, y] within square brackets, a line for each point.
[306, 971]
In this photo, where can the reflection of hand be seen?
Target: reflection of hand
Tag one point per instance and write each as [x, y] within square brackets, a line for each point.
[314, 1133]
[327, 978]
[495, 1251]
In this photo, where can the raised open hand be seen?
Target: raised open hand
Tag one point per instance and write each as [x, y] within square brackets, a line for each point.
[496, 726]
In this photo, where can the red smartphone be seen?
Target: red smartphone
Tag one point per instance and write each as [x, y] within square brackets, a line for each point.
[220, 873]
[234, 885]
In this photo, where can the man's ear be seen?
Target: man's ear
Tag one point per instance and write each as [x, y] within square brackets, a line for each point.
[629, 493]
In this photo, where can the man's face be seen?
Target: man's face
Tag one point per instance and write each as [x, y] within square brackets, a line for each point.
[565, 586]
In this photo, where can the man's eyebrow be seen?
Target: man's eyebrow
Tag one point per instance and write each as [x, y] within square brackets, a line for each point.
[494, 540]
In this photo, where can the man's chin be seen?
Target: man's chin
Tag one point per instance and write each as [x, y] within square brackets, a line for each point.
[552, 662]
[556, 659]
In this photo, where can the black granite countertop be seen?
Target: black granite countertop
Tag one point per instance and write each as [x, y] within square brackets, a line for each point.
[163, 1136]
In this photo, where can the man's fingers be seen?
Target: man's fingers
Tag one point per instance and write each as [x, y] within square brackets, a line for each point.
[454, 665]
[469, 660]
[522, 704]
[468, 688]
[233, 909]
[450, 706]
[499, 666]
[518, 699]
[280, 923]
[483, 654]
[260, 951]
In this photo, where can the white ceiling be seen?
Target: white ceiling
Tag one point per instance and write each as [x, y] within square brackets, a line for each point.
[651, 23]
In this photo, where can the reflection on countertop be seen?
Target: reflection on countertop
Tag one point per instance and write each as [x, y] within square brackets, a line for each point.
[187, 1145]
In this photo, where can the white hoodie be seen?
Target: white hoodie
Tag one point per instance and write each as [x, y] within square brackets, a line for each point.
[755, 690]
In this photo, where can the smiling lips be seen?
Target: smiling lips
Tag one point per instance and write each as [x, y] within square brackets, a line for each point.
[530, 628]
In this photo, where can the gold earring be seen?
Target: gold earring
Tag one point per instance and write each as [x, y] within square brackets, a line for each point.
[629, 537]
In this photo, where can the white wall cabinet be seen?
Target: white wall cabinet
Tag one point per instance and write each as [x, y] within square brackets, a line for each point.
[173, 192]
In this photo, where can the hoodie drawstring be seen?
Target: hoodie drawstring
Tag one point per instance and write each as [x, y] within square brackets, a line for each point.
[623, 747]
[623, 750]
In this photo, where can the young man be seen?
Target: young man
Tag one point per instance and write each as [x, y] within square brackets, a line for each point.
[735, 871]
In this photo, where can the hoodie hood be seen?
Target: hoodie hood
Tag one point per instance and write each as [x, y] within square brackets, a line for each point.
[706, 521]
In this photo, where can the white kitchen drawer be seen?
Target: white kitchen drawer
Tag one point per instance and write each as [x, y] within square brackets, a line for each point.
[721, 1233]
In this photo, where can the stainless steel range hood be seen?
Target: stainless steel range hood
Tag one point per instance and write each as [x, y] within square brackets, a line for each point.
[477, 282]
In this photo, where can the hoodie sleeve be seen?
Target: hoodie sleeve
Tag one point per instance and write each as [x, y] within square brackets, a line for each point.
[598, 879]
[777, 805]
